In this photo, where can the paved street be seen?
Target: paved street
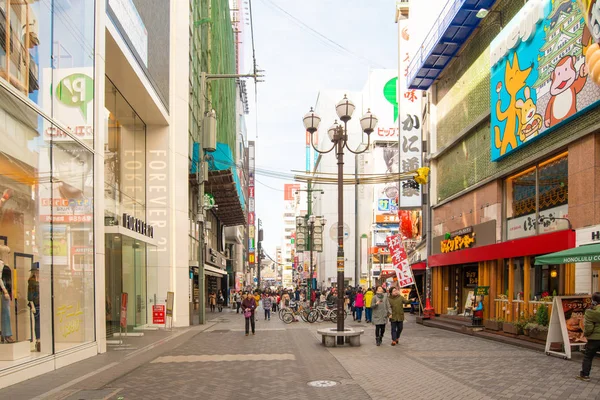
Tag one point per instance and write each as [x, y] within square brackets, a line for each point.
[281, 359]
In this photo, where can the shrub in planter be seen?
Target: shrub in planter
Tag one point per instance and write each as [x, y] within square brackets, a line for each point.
[493, 324]
[540, 333]
[510, 327]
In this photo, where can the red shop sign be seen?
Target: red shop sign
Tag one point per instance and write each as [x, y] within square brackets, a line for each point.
[158, 314]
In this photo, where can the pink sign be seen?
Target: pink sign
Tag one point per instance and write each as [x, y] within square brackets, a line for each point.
[400, 261]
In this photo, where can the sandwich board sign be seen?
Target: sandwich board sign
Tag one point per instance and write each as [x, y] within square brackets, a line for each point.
[566, 324]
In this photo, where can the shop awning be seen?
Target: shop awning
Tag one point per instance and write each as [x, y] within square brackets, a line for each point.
[222, 186]
[214, 271]
[420, 266]
[587, 253]
[450, 31]
[529, 246]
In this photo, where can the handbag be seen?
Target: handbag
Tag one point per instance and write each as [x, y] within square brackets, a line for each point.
[247, 314]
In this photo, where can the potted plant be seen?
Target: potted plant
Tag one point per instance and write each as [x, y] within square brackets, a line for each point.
[493, 324]
[510, 327]
[539, 333]
[529, 327]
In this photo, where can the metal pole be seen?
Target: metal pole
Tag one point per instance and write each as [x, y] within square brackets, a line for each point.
[310, 278]
[200, 210]
[340, 253]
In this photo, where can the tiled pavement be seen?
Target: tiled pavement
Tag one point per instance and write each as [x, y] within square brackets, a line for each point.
[428, 364]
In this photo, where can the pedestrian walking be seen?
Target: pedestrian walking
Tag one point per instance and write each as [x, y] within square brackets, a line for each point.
[249, 306]
[381, 312]
[237, 297]
[397, 302]
[285, 300]
[368, 310]
[212, 300]
[591, 330]
[220, 301]
[359, 303]
[267, 303]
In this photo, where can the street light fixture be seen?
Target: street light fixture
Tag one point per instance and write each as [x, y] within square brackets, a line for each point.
[339, 137]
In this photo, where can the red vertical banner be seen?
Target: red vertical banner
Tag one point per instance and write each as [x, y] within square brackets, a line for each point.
[123, 310]
[400, 261]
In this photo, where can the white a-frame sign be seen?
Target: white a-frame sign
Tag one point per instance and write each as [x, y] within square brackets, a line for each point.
[566, 324]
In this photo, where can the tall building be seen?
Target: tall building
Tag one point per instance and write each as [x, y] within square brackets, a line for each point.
[508, 187]
[98, 207]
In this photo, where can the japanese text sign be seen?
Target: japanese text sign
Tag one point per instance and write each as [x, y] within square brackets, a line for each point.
[400, 261]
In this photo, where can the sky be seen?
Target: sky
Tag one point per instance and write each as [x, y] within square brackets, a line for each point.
[298, 63]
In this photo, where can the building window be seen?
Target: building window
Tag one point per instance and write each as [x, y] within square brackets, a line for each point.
[536, 197]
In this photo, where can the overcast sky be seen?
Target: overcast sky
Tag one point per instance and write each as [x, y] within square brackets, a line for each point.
[298, 63]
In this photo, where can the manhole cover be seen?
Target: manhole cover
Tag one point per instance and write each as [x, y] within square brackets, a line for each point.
[322, 384]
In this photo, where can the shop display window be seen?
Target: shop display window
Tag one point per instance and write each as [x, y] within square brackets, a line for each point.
[47, 53]
[46, 234]
[124, 159]
[537, 199]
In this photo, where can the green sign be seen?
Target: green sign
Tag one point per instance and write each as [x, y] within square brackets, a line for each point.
[482, 290]
[76, 90]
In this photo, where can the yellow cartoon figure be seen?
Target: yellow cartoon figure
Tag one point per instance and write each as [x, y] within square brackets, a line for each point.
[514, 79]
[531, 121]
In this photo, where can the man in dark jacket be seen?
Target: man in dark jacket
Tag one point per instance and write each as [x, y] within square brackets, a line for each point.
[397, 302]
[592, 332]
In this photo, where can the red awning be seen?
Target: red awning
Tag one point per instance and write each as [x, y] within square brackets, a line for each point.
[420, 266]
[530, 246]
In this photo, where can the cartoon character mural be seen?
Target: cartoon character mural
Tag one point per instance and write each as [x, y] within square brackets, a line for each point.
[567, 82]
[591, 14]
[531, 121]
[539, 75]
[514, 78]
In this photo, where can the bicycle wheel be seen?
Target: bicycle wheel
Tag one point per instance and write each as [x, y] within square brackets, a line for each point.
[288, 318]
[312, 316]
[333, 316]
[282, 311]
[304, 315]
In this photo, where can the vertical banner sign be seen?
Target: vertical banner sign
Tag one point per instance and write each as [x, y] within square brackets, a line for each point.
[123, 319]
[400, 261]
[251, 202]
[409, 120]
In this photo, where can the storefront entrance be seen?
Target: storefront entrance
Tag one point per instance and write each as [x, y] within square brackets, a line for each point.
[126, 272]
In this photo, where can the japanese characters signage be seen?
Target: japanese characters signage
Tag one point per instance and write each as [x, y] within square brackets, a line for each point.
[400, 261]
[158, 314]
[251, 201]
[458, 242]
[410, 126]
[380, 94]
[549, 221]
[539, 77]
[385, 196]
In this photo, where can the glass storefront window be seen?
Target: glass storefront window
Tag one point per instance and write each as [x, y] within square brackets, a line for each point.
[537, 198]
[50, 59]
[46, 232]
[125, 159]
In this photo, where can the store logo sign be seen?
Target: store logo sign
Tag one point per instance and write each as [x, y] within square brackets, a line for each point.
[137, 225]
[76, 90]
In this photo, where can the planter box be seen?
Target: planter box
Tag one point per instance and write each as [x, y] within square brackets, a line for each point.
[539, 335]
[509, 327]
[492, 325]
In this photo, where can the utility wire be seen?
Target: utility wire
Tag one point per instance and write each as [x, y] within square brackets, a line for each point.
[325, 38]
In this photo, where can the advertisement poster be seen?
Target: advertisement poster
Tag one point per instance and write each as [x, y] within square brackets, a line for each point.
[566, 324]
[539, 77]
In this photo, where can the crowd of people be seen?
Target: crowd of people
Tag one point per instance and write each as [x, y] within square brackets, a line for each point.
[379, 306]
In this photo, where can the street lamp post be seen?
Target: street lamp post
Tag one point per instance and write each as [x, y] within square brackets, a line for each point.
[338, 135]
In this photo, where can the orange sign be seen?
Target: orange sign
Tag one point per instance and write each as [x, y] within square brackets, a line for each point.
[387, 218]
